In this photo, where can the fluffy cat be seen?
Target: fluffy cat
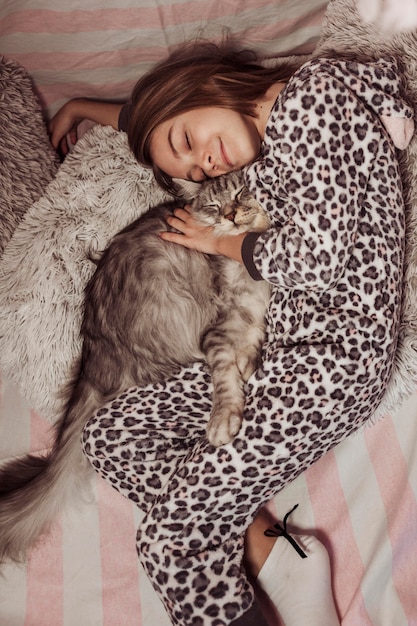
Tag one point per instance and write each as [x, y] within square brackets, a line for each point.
[151, 308]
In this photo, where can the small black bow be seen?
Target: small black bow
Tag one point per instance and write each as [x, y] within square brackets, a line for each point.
[279, 531]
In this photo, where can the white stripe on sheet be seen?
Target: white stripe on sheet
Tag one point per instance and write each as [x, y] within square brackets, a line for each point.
[13, 595]
[44, 581]
[119, 561]
[82, 564]
[394, 481]
[407, 440]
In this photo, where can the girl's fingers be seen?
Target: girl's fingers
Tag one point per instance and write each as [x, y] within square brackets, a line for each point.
[180, 219]
[177, 238]
[183, 214]
[175, 222]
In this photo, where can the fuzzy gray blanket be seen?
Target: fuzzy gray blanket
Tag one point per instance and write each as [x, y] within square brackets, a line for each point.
[99, 189]
[27, 161]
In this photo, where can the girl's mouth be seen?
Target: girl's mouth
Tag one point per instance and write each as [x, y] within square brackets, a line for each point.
[224, 156]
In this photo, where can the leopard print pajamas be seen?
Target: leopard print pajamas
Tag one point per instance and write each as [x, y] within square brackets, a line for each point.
[328, 176]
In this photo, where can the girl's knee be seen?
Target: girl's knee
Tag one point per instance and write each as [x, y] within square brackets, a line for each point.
[92, 441]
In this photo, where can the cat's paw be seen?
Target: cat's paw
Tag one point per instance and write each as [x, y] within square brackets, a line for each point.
[247, 361]
[223, 426]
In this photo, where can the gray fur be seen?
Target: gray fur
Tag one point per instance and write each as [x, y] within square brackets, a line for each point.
[151, 308]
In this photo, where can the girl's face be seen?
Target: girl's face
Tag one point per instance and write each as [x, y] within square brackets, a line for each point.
[205, 142]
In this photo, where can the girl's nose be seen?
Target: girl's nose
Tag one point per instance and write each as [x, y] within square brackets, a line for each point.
[208, 162]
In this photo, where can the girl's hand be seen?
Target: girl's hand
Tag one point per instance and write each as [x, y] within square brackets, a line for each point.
[194, 236]
[63, 126]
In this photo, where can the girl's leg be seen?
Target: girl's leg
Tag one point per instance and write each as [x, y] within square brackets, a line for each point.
[300, 405]
[136, 440]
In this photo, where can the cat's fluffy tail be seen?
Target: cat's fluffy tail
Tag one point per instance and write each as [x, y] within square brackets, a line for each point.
[34, 490]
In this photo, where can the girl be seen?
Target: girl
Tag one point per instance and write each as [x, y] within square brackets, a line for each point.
[317, 144]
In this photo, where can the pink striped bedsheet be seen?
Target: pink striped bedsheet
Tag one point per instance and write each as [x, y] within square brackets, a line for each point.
[100, 48]
[360, 499]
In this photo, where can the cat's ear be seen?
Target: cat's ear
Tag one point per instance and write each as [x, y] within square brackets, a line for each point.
[187, 189]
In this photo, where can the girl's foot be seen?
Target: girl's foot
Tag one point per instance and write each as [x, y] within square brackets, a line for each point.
[296, 577]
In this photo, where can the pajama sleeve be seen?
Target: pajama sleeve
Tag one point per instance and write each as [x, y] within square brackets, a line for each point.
[320, 148]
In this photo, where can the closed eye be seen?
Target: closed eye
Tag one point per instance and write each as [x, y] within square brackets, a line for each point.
[212, 207]
[187, 141]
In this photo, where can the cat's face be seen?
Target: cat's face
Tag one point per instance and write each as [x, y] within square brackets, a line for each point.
[226, 203]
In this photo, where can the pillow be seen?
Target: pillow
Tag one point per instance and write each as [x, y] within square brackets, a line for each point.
[27, 161]
[97, 191]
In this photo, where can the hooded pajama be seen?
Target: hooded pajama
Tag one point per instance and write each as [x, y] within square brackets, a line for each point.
[329, 179]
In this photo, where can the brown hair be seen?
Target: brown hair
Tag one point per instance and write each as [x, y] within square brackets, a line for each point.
[197, 74]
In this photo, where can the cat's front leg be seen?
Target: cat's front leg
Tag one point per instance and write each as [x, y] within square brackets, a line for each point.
[228, 395]
[248, 354]
[228, 383]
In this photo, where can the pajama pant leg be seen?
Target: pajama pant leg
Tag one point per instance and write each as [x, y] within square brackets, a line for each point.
[136, 440]
[200, 499]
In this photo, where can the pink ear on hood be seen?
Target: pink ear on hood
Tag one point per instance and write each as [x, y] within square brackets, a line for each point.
[400, 130]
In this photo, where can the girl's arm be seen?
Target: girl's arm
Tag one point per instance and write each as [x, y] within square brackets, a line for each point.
[66, 120]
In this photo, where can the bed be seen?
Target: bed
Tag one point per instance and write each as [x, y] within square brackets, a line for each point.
[361, 498]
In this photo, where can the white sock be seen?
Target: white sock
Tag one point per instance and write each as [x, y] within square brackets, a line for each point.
[300, 588]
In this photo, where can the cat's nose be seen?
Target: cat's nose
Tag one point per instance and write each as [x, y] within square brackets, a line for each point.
[229, 213]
